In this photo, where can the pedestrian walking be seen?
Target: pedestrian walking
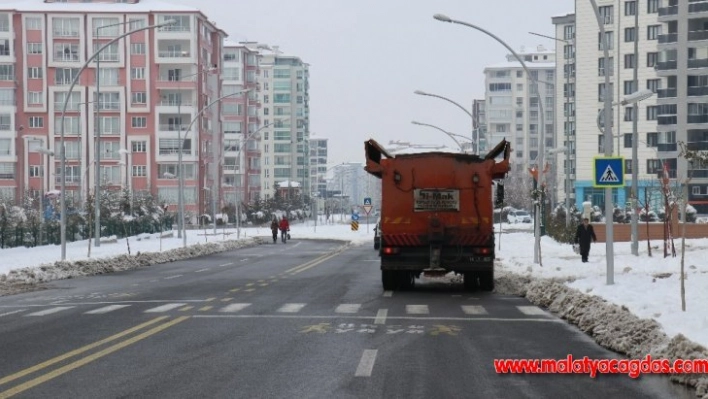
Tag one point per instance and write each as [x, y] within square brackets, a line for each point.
[274, 229]
[284, 228]
[583, 235]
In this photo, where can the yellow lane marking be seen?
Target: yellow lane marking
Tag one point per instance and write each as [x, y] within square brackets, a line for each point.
[88, 359]
[206, 308]
[264, 285]
[79, 351]
[235, 290]
[226, 299]
[186, 308]
[210, 300]
[321, 260]
[249, 285]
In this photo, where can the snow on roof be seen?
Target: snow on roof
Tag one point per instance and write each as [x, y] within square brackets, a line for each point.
[143, 6]
[517, 64]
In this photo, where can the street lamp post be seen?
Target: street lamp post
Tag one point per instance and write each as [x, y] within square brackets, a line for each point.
[476, 143]
[542, 144]
[451, 135]
[48, 153]
[180, 172]
[62, 150]
[129, 174]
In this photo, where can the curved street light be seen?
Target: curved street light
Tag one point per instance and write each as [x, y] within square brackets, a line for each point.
[62, 150]
[180, 172]
[542, 144]
[451, 135]
[476, 143]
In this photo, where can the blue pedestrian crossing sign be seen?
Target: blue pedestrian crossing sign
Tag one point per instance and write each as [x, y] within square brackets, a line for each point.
[367, 201]
[608, 172]
[355, 216]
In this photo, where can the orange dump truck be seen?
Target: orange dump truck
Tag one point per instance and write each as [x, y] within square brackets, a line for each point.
[437, 213]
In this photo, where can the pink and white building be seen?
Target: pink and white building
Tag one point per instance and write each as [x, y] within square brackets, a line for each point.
[152, 85]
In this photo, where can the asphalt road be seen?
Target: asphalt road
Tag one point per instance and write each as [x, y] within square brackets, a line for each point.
[307, 319]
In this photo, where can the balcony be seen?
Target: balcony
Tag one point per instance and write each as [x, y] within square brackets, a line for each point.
[697, 146]
[673, 10]
[697, 173]
[175, 103]
[666, 147]
[668, 38]
[698, 119]
[697, 35]
[698, 8]
[667, 120]
[666, 93]
[173, 54]
[698, 91]
[666, 65]
[172, 127]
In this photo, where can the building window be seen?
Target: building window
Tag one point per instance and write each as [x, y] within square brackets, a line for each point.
[606, 14]
[610, 40]
[139, 170]
[137, 48]
[652, 59]
[36, 122]
[34, 48]
[652, 139]
[137, 73]
[33, 23]
[35, 73]
[629, 34]
[138, 146]
[172, 146]
[652, 6]
[654, 166]
[64, 76]
[628, 61]
[139, 97]
[630, 8]
[136, 23]
[653, 32]
[65, 27]
[139, 122]
[627, 166]
[7, 171]
[35, 98]
[66, 52]
[653, 84]
[628, 115]
[627, 140]
[35, 171]
[629, 87]
[652, 113]
[106, 27]
[696, 190]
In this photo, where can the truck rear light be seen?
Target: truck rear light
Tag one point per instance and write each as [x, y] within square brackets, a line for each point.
[483, 251]
[391, 250]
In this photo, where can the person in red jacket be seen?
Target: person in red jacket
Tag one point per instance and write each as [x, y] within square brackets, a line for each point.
[284, 228]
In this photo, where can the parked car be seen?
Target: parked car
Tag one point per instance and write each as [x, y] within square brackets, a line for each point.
[518, 216]
[377, 234]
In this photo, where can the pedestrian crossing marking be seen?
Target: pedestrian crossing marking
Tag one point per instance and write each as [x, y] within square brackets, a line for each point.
[609, 176]
[226, 299]
[531, 310]
[165, 308]
[235, 290]
[50, 311]
[250, 290]
[210, 300]
[417, 309]
[263, 284]
[235, 307]
[186, 308]
[291, 307]
[474, 309]
[206, 308]
[348, 308]
[107, 309]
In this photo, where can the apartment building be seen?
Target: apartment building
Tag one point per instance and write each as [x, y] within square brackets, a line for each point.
[284, 97]
[479, 124]
[655, 148]
[512, 105]
[683, 101]
[318, 166]
[141, 99]
[241, 125]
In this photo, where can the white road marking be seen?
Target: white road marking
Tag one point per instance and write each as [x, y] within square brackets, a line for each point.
[417, 309]
[11, 313]
[474, 309]
[171, 277]
[165, 308]
[388, 294]
[348, 308]
[531, 310]
[234, 307]
[413, 318]
[366, 364]
[201, 270]
[107, 309]
[50, 311]
[226, 264]
[243, 260]
[291, 307]
[381, 316]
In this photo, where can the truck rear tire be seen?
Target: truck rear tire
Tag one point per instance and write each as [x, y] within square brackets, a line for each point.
[486, 280]
[389, 280]
[470, 281]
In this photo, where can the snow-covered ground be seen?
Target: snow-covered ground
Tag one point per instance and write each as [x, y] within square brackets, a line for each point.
[649, 287]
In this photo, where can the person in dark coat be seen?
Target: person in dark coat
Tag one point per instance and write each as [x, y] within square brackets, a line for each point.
[583, 235]
[274, 229]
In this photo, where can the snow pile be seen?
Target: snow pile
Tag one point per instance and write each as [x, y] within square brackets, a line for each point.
[88, 267]
[611, 326]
